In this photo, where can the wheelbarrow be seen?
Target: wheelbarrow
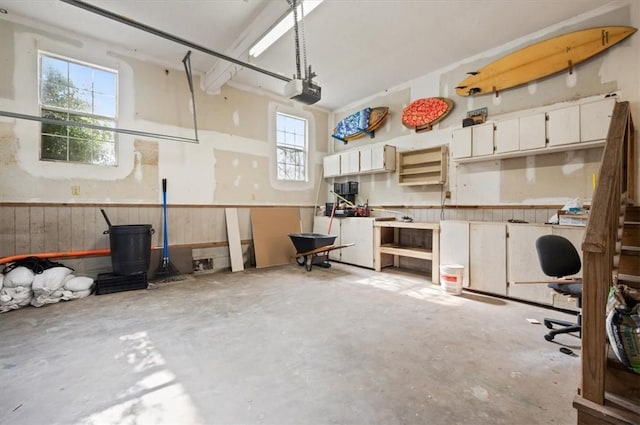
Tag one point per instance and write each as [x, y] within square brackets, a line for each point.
[314, 248]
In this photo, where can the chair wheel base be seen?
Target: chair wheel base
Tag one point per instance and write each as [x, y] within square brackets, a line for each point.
[548, 337]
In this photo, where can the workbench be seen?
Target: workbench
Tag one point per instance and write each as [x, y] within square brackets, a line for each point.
[398, 250]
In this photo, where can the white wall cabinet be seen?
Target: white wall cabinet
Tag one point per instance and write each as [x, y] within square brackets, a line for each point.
[563, 126]
[379, 158]
[595, 118]
[488, 257]
[482, 139]
[321, 225]
[331, 164]
[454, 245]
[472, 141]
[350, 162]
[523, 264]
[580, 124]
[366, 160]
[507, 135]
[358, 230]
[461, 143]
[498, 255]
[532, 132]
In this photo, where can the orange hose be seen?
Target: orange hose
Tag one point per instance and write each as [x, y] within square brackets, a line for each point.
[84, 253]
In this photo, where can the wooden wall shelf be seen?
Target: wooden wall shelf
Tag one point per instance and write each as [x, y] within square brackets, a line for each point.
[423, 166]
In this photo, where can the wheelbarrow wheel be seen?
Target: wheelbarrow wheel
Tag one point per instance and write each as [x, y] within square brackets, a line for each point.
[301, 260]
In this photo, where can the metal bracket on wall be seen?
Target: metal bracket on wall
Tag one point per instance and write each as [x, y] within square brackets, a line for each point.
[186, 61]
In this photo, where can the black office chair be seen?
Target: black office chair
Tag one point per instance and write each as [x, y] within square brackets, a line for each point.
[559, 258]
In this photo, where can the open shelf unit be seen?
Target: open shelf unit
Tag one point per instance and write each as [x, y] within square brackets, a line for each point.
[423, 166]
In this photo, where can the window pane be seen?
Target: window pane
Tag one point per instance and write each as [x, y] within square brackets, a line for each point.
[104, 82]
[80, 150]
[56, 67]
[298, 127]
[106, 154]
[82, 101]
[298, 140]
[104, 105]
[54, 93]
[281, 172]
[280, 122]
[80, 76]
[54, 147]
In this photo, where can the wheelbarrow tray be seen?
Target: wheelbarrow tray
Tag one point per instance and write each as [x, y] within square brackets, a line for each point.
[305, 242]
[317, 256]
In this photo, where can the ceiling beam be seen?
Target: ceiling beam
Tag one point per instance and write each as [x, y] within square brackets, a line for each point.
[221, 72]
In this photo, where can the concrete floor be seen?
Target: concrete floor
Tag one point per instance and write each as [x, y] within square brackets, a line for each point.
[284, 346]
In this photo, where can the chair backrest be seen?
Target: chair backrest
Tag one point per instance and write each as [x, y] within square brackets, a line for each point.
[557, 255]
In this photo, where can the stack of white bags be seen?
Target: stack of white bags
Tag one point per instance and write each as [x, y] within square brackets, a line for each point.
[21, 287]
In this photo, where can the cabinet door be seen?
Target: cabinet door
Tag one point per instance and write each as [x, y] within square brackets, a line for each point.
[350, 162]
[482, 139]
[507, 135]
[533, 132]
[378, 158]
[366, 158]
[563, 126]
[454, 245]
[358, 231]
[461, 143]
[488, 257]
[321, 225]
[574, 233]
[595, 118]
[523, 264]
[331, 165]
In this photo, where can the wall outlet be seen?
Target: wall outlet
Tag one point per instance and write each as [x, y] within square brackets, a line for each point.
[202, 265]
[75, 190]
[447, 194]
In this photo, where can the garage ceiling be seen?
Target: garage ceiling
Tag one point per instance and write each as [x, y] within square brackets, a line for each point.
[357, 47]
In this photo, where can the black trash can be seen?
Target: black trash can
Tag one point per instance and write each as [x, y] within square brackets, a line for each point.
[130, 248]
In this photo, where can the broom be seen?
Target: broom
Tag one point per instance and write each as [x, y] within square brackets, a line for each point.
[166, 271]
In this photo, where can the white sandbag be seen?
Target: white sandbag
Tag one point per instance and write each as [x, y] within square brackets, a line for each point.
[66, 295]
[19, 294]
[50, 280]
[79, 283]
[40, 300]
[20, 276]
[14, 298]
[81, 294]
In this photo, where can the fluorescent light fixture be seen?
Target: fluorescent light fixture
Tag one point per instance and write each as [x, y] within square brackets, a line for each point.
[281, 28]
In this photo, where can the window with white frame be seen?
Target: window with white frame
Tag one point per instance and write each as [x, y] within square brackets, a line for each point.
[80, 93]
[291, 147]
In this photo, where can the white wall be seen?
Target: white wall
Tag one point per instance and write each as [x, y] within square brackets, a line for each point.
[233, 162]
[532, 180]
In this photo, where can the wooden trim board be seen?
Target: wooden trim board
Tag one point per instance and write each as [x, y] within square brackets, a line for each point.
[233, 236]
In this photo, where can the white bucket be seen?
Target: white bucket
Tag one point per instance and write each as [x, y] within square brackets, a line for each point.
[451, 276]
